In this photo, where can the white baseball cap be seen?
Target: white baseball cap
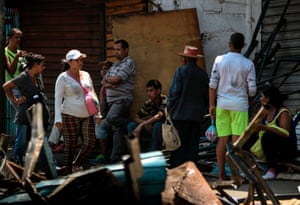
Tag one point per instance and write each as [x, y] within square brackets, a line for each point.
[74, 54]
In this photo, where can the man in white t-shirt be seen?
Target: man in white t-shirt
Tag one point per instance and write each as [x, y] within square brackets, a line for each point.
[232, 82]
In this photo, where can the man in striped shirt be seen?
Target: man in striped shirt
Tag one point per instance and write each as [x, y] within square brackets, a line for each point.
[119, 84]
[148, 120]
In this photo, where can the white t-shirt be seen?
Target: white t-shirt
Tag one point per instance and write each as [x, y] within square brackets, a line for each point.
[234, 78]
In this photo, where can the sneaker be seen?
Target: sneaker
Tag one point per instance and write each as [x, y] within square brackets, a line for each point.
[100, 156]
[77, 168]
[269, 175]
[100, 159]
[61, 171]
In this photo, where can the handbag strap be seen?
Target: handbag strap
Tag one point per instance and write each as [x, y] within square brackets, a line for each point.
[168, 118]
[71, 75]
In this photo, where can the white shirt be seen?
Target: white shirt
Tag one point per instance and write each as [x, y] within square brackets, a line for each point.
[69, 96]
[234, 78]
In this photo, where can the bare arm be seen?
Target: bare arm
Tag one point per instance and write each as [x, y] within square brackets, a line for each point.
[284, 125]
[12, 66]
[151, 120]
[147, 124]
[212, 100]
[7, 87]
[111, 81]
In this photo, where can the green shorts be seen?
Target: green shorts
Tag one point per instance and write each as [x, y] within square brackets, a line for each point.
[229, 122]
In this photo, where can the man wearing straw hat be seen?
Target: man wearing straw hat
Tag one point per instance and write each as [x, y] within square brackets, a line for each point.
[187, 103]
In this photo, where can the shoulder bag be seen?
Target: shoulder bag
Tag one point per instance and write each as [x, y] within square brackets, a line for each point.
[170, 134]
[91, 100]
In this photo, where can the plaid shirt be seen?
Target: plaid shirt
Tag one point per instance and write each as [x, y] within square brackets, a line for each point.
[149, 109]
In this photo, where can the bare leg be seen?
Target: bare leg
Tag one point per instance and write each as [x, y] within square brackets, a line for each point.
[103, 146]
[235, 138]
[220, 153]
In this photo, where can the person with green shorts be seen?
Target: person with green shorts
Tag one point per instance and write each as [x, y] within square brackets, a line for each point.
[232, 82]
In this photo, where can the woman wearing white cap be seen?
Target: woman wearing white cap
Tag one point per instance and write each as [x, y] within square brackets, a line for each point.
[71, 112]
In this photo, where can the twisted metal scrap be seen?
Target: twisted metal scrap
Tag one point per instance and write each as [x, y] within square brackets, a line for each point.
[36, 141]
[5, 170]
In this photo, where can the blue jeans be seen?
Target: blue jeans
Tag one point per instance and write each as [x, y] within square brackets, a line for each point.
[155, 136]
[20, 142]
[117, 117]
[17, 94]
[102, 129]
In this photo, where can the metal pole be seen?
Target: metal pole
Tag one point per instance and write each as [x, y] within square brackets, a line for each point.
[254, 41]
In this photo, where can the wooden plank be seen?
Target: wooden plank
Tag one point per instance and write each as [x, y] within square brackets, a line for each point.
[116, 3]
[250, 128]
[109, 38]
[288, 176]
[126, 10]
[154, 52]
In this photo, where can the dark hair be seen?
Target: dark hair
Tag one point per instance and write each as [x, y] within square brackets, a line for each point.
[123, 43]
[190, 59]
[64, 65]
[13, 31]
[32, 58]
[154, 83]
[272, 92]
[237, 40]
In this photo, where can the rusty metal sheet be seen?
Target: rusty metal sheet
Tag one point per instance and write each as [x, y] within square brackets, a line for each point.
[188, 183]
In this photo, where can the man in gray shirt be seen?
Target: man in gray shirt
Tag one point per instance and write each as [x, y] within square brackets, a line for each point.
[119, 83]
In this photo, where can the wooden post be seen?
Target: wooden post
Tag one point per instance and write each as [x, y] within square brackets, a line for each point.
[244, 161]
[250, 129]
[2, 64]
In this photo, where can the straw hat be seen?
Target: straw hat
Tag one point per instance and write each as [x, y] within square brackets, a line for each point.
[191, 52]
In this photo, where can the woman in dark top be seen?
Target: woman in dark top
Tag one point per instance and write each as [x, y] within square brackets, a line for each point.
[28, 82]
[276, 139]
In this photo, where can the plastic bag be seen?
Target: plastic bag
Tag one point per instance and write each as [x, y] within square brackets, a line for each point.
[211, 132]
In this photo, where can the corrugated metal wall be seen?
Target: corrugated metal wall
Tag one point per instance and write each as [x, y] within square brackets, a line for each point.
[11, 20]
[285, 63]
[286, 49]
[51, 28]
